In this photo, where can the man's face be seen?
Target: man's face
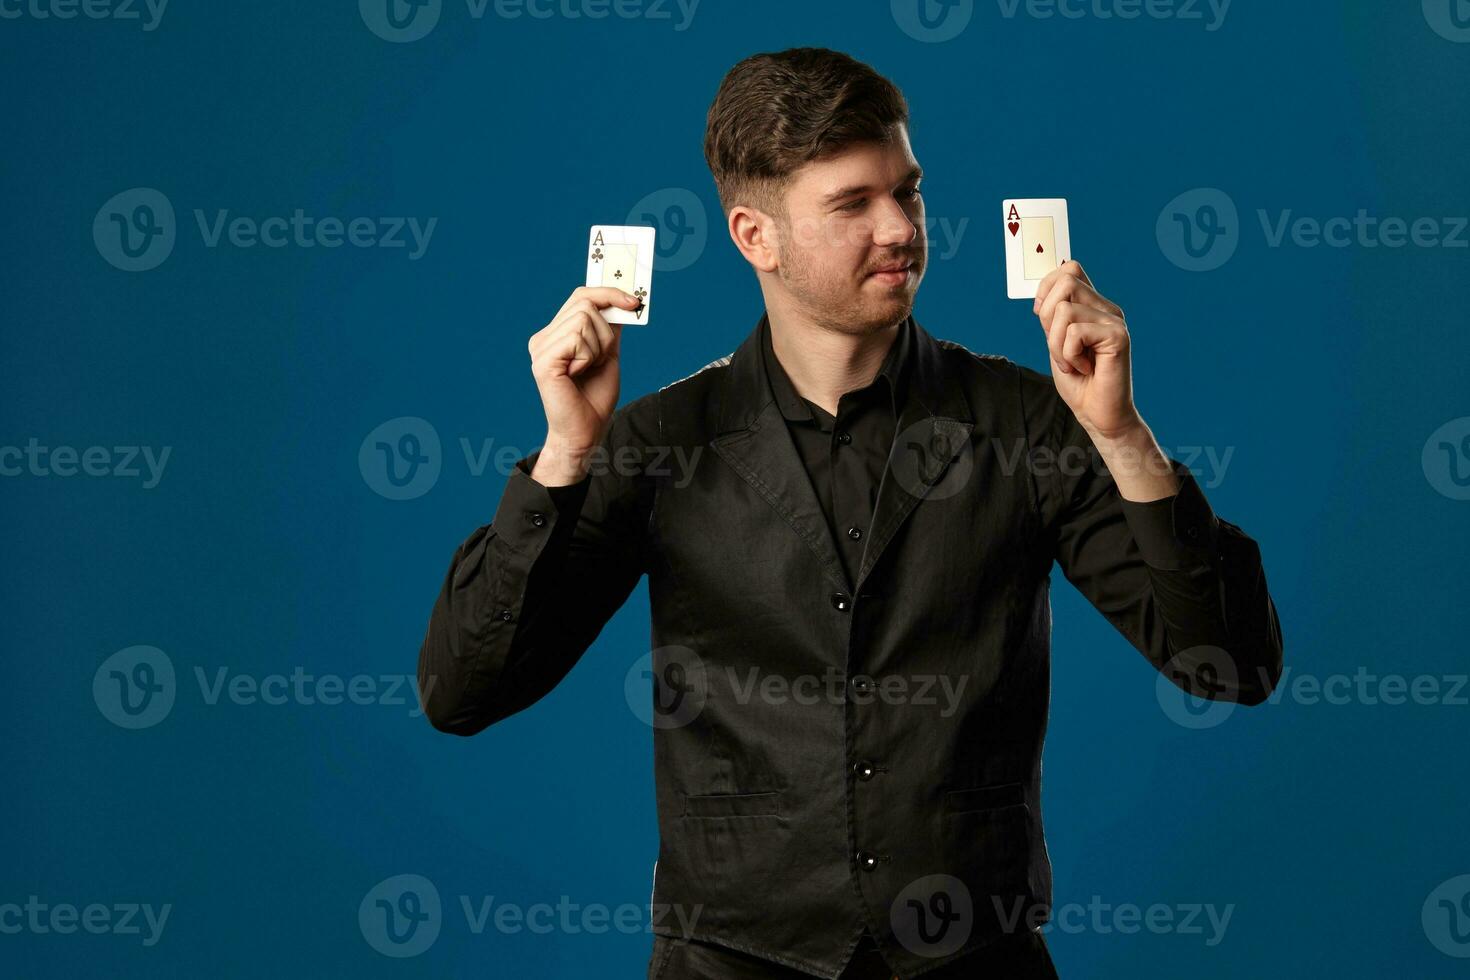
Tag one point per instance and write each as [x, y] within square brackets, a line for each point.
[847, 217]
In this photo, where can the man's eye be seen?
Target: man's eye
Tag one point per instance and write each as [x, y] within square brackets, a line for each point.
[854, 205]
[909, 194]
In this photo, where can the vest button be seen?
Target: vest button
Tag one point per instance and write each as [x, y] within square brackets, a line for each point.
[866, 860]
[865, 770]
[840, 601]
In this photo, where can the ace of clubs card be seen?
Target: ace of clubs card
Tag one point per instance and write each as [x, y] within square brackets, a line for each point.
[622, 256]
[1037, 241]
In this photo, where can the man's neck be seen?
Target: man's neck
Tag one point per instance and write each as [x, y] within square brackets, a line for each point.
[824, 364]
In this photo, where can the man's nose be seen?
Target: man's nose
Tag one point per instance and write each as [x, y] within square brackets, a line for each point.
[893, 226]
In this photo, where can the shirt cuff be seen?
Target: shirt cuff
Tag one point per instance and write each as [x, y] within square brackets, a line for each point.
[528, 511]
[1174, 532]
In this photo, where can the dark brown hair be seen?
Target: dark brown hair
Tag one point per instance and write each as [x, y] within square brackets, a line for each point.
[775, 112]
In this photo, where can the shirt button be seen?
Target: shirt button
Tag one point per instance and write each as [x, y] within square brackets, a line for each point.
[866, 861]
[1193, 532]
[505, 614]
[844, 438]
[854, 532]
[538, 518]
[865, 770]
[840, 601]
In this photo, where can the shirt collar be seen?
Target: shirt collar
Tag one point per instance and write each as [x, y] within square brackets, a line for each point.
[796, 409]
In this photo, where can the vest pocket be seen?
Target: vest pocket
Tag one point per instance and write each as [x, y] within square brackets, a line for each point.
[733, 804]
[983, 798]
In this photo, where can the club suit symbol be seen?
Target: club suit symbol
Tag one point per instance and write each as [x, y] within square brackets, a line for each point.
[1446, 917]
[676, 676]
[1445, 459]
[401, 458]
[933, 915]
[1199, 230]
[400, 21]
[1189, 685]
[135, 230]
[401, 916]
[681, 226]
[932, 21]
[135, 688]
[1450, 19]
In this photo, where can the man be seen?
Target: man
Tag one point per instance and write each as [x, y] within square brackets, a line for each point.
[868, 516]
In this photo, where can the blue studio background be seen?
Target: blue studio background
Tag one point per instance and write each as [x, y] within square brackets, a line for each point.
[265, 555]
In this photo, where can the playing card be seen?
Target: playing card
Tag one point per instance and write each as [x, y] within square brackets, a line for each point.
[1037, 241]
[622, 256]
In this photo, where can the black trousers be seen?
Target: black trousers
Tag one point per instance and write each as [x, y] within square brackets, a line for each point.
[1016, 956]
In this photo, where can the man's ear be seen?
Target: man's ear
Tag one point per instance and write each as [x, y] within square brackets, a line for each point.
[754, 233]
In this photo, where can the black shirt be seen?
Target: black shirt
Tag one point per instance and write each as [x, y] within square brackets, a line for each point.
[845, 455]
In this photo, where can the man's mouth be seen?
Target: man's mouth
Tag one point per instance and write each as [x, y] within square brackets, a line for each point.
[893, 273]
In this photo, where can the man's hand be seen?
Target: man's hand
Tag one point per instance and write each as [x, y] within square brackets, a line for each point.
[574, 360]
[1087, 338]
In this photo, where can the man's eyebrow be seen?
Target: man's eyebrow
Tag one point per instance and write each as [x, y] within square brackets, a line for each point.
[915, 174]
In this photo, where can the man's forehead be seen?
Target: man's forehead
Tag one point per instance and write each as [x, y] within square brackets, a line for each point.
[856, 164]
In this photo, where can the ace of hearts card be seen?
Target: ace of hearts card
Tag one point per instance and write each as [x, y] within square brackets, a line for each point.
[1037, 241]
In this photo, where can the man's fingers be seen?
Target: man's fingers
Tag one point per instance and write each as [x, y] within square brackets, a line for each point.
[601, 297]
[1056, 335]
[1067, 287]
[1074, 268]
[1074, 347]
[576, 342]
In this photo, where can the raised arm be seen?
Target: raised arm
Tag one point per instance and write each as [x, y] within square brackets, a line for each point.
[526, 594]
[1134, 531]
